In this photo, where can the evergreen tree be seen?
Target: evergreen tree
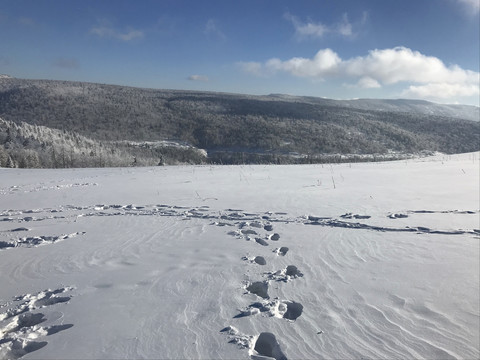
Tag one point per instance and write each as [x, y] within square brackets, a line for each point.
[10, 163]
[3, 157]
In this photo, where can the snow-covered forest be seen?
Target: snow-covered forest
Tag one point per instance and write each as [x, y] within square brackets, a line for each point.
[59, 124]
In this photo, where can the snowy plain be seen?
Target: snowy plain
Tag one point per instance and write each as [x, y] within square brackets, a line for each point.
[350, 261]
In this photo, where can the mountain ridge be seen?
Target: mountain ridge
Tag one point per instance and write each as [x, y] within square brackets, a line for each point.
[461, 111]
[379, 104]
[235, 128]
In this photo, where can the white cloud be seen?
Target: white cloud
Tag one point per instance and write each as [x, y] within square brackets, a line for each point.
[198, 78]
[400, 64]
[212, 30]
[308, 28]
[345, 27]
[441, 91]
[325, 62]
[106, 30]
[368, 83]
[311, 29]
[473, 5]
[426, 76]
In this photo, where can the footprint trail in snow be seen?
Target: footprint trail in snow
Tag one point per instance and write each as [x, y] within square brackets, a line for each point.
[264, 345]
[21, 330]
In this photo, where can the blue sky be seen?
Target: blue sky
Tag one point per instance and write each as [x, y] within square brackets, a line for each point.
[423, 49]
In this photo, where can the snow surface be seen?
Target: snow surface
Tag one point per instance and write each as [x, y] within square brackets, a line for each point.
[372, 260]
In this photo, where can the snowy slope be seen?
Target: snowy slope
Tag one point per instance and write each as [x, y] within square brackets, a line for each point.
[421, 107]
[374, 260]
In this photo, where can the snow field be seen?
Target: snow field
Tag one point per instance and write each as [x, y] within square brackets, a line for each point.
[242, 262]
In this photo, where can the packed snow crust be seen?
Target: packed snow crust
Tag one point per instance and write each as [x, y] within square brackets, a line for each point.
[372, 260]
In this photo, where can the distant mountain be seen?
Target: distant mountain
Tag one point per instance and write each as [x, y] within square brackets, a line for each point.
[466, 112]
[170, 126]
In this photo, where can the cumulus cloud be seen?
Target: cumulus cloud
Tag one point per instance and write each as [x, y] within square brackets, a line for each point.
[427, 75]
[106, 30]
[368, 83]
[198, 78]
[324, 63]
[311, 29]
[400, 64]
[441, 90]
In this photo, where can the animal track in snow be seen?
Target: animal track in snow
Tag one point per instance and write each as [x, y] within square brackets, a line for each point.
[241, 340]
[261, 241]
[274, 237]
[357, 225]
[20, 325]
[259, 288]
[281, 251]
[289, 310]
[248, 232]
[19, 229]
[268, 227]
[397, 216]
[469, 212]
[262, 347]
[23, 320]
[293, 310]
[34, 241]
[31, 302]
[256, 224]
[17, 348]
[260, 260]
[354, 216]
[252, 309]
[290, 272]
[248, 222]
[267, 345]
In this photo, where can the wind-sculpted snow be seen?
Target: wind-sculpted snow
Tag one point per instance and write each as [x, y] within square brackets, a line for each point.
[252, 227]
[42, 187]
[259, 266]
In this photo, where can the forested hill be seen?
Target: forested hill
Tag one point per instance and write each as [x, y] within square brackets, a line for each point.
[147, 126]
